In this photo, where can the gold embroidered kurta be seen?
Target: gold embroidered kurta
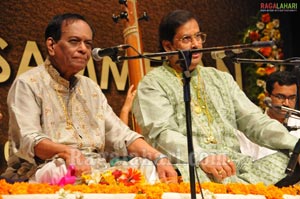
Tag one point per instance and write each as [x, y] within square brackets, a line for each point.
[76, 113]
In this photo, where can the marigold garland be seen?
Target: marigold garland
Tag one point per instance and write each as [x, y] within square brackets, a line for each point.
[132, 181]
[114, 176]
[146, 191]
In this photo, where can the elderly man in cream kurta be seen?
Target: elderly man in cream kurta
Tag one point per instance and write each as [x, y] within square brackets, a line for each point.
[95, 128]
[55, 113]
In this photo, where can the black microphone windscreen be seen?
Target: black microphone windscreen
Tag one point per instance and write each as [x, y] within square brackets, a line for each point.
[263, 43]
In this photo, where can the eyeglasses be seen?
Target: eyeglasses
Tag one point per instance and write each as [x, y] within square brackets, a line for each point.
[199, 36]
[284, 98]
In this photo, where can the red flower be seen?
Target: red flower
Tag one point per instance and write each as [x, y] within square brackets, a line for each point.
[280, 55]
[254, 36]
[265, 18]
[131, 177]
[270, 69]
[266, 51]
[117, 173]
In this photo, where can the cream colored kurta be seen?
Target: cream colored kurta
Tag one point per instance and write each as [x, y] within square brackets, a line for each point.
[160, 111]
[44, 105]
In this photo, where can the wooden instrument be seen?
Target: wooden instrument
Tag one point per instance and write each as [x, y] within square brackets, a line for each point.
[132, 36]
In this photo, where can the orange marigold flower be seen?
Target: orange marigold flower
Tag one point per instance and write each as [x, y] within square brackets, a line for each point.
[5, 187]
[214, 187]
[290, 190]
[261, 71]
[273, 192]
[147, 191]
[107, 178]
[140, 196]
[270, 69]
[235, 188]
[265, 38]
[276, 34]
[261, 96]
[270, 25]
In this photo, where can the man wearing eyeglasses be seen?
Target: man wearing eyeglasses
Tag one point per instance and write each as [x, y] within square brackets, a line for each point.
[219, 108]
[281, 87]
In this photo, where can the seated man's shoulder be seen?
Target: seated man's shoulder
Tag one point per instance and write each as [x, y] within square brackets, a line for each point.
[31, 75]
[215, 73]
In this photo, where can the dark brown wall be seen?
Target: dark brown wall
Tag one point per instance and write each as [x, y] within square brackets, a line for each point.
[23, 20]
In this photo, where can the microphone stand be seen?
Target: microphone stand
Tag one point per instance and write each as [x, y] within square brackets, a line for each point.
[201, 50]
[185, 58]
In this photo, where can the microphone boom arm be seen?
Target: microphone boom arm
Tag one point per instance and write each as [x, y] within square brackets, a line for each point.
[290, 110]
[202, 50]
[275, 62]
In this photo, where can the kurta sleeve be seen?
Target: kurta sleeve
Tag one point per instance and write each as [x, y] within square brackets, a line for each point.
[257, 126]
[25, 129]
[117, 134]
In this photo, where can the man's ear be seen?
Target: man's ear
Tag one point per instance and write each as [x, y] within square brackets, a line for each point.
[50, 43]
[167, 45]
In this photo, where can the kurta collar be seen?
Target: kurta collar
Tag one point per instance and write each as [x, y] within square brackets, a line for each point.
[56, 76]
[171, 70]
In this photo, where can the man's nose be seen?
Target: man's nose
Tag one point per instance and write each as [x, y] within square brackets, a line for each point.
[286, 102]
[83, 46]
[195, 42]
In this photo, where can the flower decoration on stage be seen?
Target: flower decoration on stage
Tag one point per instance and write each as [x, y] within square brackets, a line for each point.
[263, 29]
[146, 191]
[127, 177]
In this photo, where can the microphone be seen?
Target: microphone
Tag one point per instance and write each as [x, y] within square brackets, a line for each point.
[268, 102]
[99, 53]
[226, 53]
[256, 44]
[231, 53]
[260, 44]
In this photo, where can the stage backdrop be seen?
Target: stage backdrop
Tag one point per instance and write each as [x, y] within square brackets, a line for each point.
[22, 24]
